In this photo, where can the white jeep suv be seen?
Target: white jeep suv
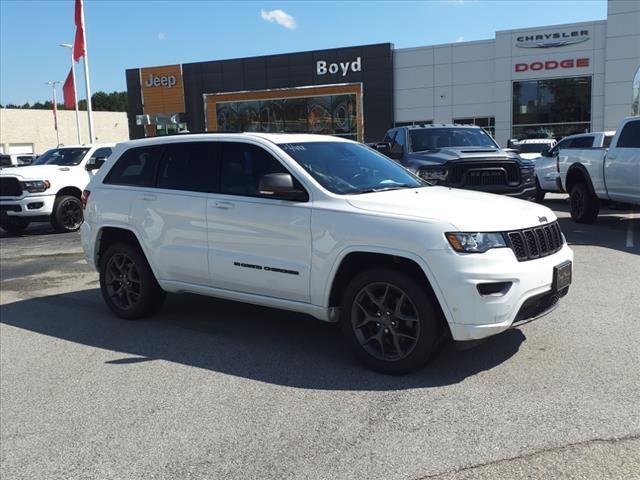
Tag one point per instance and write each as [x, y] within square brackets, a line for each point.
[323, 226]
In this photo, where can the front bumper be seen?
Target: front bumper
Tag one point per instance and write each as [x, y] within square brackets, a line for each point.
[473, 316]
[28, 206]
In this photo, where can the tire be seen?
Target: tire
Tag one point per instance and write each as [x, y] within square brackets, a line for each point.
[128, 285]
[14, 226]
[67, 214]
[401, 342]
[584, 205]
[539, 193]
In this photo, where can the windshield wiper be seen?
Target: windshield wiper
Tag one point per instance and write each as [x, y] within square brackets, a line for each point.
[398, 186]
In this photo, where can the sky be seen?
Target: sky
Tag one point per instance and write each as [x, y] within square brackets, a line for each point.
[131, 34]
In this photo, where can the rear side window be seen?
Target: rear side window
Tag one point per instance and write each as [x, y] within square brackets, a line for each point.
[192, 166]
[630, 135]
[607, 141]
[243, 165]
[103, 152]
[582, 142]
[137, 166]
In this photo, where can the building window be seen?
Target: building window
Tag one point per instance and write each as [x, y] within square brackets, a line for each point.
[551, 108]
[417, 122]
[487, 123]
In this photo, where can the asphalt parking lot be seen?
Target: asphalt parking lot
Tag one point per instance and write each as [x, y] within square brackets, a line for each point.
[219, 390]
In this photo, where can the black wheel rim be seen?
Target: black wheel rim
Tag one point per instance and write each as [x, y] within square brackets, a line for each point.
[385, 321]
[122, 281]
[577, 203]
[71, 214]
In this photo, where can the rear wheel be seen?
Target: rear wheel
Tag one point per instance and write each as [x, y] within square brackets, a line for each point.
[128, 285]
[14, 225]
[390, 321]
[67, 214]
[584, 205]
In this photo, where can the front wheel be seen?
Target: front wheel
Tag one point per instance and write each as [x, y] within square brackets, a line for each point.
[14, 226]
[390, 321]
[584, 205]
[67, 214]
[128, 285]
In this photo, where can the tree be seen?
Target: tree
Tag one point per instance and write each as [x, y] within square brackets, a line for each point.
[100, 101]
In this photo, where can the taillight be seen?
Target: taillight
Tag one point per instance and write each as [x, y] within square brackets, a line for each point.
[85, 198]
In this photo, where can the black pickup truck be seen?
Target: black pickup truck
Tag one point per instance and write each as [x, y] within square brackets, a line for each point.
[459, 156]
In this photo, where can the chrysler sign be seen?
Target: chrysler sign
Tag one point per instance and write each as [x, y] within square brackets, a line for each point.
[551, 40]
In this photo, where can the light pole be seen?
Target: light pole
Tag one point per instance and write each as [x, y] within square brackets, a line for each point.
[75, 95]
[55, 108]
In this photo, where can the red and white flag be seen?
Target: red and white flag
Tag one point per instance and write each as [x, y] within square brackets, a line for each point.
[69, 92]
[78, 44]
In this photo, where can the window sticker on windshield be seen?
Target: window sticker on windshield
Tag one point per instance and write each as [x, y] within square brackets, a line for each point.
[294, 148]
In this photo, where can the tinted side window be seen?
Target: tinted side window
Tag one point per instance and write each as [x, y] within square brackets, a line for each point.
[388, 137]
[192, 166]
[243, 165]
[582, 142]
[103, 152]
[630, 135]
[607, 141]
[137, 166]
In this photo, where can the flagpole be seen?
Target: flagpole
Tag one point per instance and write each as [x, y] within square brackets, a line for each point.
[55, 110]
[86, 77]
[75, 93]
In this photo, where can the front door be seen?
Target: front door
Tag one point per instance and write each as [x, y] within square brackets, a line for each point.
[257, 245]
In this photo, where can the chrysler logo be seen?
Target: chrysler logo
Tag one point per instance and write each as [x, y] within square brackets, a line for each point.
[552, 40]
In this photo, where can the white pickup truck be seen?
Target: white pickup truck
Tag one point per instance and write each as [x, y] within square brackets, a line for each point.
[593, 176]
[50, 189]
[547, 165]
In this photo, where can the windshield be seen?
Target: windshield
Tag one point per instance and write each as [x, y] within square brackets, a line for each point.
[434, 138]
[533, 147]
[345, 168]
[62, 156]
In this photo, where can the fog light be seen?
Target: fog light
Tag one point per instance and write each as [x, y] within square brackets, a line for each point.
[35, 205]
[495, 289]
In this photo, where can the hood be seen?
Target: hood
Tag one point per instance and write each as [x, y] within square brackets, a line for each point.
[440, 156]
[35, 172]
[466, 210]
[530, 156]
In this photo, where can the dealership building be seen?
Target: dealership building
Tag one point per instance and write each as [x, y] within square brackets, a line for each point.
[553, 80]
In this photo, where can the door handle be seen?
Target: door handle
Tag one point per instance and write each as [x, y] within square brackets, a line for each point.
[223, 205]
[147, 198]
[611, 157]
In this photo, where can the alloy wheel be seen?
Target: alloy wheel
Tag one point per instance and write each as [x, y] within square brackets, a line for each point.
[71, 214]
[123, 281]
[385, 321]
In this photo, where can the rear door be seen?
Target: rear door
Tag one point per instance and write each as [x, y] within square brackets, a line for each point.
[257, 245]
[171, 217]
[622, 165]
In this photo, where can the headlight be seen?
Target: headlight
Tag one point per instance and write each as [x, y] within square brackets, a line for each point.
[433, 175]
[527, 174]
[475, 242]
[34, 186]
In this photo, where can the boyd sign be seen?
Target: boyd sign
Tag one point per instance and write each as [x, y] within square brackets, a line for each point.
[343, 67]
[552, 65]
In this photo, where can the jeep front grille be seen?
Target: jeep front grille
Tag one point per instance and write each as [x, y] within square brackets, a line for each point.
[536, 242]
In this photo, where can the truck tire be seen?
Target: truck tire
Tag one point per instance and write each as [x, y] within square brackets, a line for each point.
[128, 285]
[67, 214]
[539, 192]
[390, 321]
[584, 205]
[14, 226]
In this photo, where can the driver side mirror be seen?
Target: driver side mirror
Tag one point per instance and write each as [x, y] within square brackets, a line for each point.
[95, 163]
[280, 186]
[548, 153]
[384, 148]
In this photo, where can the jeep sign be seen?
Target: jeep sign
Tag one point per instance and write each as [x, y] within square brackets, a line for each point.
[165, 81]
[343, 67]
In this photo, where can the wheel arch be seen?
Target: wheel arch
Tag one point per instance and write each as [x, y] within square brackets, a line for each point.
[354, 260]
[72, 191]
[111, 234]
[578, 173]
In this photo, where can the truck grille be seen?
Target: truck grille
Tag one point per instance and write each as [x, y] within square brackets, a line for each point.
[478, 174]
[10, 187]
[532, 243]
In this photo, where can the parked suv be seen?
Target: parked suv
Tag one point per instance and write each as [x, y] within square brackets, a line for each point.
[460, 156]
[323, 226]
[49, 190]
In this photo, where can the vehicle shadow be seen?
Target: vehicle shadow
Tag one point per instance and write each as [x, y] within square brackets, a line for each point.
[262, 344]
[615, 229]
[32, 230]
